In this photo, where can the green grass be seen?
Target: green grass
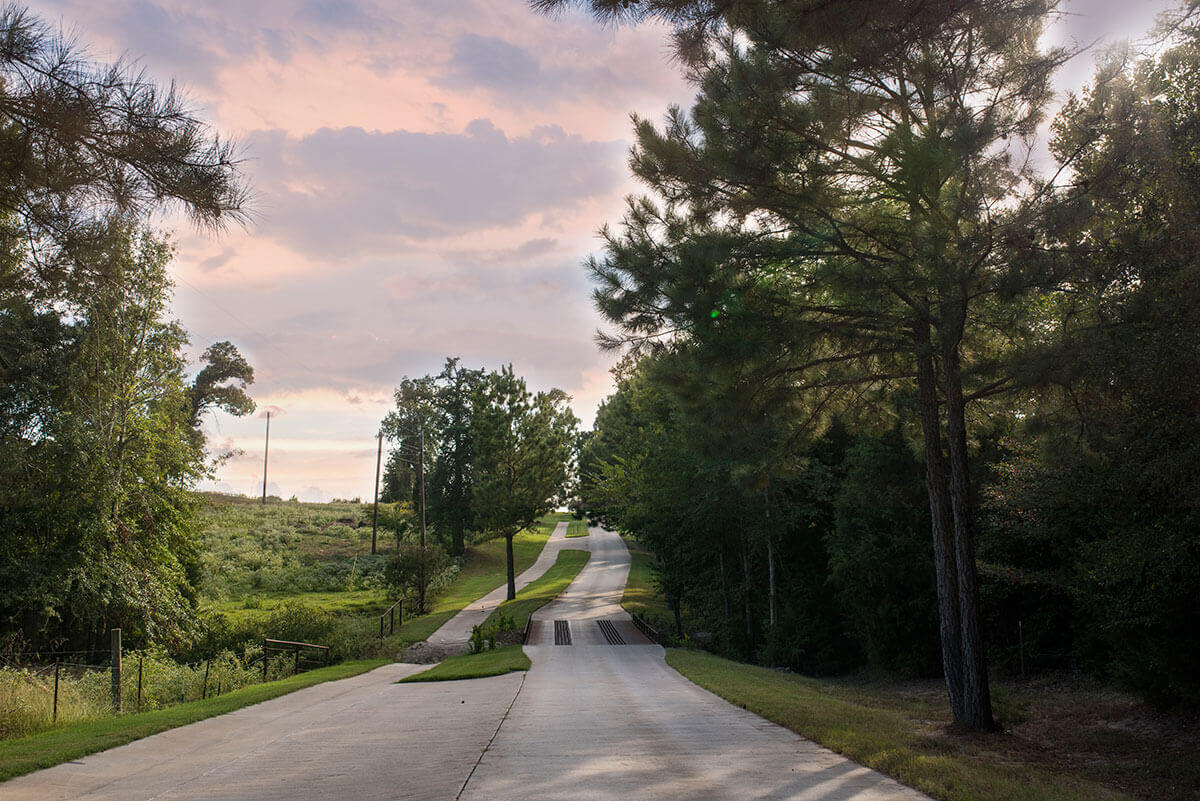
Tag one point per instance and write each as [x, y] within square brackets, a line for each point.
[545, 589]
[641, 594]
[495, 662]
[878, 731]
[577, 528]
[46, 749]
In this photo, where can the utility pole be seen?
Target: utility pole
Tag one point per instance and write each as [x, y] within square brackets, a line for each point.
[375, 519]
[421, 481]
[266, 448]
[421, 477]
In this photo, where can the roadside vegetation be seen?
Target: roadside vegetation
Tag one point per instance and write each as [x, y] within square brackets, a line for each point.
[642, 598]
[25, 754]
[492, 662]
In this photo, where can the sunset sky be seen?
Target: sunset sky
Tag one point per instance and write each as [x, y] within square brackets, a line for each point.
[428, 177]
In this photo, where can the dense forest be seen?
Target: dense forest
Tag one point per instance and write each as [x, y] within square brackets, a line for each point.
[902, 389]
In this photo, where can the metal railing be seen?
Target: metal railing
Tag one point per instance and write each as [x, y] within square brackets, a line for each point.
[394, 611]
[648, 630]
[278, 646]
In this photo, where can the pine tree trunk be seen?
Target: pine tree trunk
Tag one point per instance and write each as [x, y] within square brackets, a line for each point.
[939, 514]
[724, 584]
[750, 646]
[773, 606]
[977, 702]
[512, 578]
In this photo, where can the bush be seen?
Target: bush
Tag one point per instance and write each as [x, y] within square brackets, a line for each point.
[413, 568]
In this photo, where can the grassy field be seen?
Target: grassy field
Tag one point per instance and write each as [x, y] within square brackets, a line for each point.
[495, 662]
[260, 557]
[577, 528]
[25, 754]
[545, 589]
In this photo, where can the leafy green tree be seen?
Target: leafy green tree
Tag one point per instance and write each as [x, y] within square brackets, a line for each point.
[222, 382]
[97, 458]
[1096, 504]
[523, 446]
[879, 558]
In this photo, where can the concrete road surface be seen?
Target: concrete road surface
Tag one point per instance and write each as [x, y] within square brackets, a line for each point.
[591, 720]
[599, 721]
[359, 739]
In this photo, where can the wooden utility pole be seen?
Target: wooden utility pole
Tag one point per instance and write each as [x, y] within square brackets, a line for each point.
[375, 519]
[421, 482]
[266, 448]
[421, 477]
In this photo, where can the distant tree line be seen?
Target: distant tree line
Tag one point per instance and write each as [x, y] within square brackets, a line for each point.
[496, 456]
[896, 397]
[100, 426]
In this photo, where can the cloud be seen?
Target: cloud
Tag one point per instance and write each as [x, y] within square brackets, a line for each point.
[339, 193]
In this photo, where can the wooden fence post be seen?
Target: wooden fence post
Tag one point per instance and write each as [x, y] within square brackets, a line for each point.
[141, 659]
[54, 719]
[116, 670]
[204, 692]
[265, 661]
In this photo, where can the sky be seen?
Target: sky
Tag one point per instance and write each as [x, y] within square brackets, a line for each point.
[428, 178]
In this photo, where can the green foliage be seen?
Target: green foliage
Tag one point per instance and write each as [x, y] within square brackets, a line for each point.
[414, 572]
[86, 148]
[523, 447]
[94, 462]
[880, 561]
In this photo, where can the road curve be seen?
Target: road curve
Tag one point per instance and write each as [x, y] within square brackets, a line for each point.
[595, 722]
[458, 628]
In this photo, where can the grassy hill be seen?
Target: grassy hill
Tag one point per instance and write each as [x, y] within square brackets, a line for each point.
[258, 557]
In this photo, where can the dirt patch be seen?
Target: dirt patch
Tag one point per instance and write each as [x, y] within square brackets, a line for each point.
[424, 653]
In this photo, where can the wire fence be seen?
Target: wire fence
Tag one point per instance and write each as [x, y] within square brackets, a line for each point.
[43, 689]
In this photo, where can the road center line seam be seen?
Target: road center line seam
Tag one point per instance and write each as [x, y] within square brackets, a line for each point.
[491, 739]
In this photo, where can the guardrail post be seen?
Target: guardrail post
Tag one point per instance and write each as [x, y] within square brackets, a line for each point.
[116, 670]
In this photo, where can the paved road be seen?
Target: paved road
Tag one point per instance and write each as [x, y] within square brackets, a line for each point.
[589, 721]
[599, 721]
[360, 739]
[458, 628]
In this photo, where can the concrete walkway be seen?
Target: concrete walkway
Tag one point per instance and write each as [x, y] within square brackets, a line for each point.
[589, 721]
[458, 628]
